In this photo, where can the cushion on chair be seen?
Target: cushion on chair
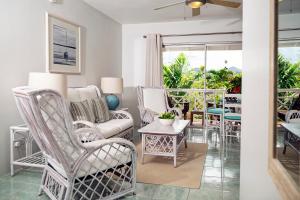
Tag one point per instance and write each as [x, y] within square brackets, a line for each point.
[82, 111]
[217, 111]
[113, 127]
[154, 99]
[238, 118]
[102, 162]
[81, 94]
[100, 110]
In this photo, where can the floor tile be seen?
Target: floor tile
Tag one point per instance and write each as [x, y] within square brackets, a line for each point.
[145, 190]
[231, 195]
[231, 184]
[205, 194]
[169, 192]
[211, 182]
[212, 172]
[232, 172]
[25, 184]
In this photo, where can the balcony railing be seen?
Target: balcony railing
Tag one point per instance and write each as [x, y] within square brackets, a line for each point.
[197, 98]
[286, 97]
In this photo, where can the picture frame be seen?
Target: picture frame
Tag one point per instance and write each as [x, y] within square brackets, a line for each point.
[63, 46]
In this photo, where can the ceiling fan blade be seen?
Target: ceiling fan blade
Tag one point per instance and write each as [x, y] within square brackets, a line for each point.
[225, 3]
[195, 12]
[169, 5]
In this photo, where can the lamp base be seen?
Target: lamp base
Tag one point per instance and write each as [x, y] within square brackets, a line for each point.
[112, 101]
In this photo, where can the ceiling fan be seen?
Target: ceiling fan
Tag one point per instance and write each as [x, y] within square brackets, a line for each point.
[196, 4]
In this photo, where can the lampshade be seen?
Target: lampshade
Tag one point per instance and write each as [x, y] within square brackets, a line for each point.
[111, 85]
[57, 82]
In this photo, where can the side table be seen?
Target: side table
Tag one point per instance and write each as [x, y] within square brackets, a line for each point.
[18, 135]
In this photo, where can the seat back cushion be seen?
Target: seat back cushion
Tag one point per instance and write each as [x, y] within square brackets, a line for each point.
[81, 94]
[100, 110]
[154, 99]
[82, 111]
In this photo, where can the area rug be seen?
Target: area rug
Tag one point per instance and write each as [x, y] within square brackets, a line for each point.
[160, 170]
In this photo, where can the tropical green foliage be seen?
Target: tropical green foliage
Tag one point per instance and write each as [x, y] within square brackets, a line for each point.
[288, 73]
[178, 75]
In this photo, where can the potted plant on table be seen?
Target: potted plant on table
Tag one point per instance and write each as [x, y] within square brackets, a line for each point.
[166, 118]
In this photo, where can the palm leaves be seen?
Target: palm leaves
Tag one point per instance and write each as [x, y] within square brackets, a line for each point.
[219, 78]
[177, 75]
[288, 73]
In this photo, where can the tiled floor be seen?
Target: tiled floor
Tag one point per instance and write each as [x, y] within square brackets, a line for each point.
[220, 178]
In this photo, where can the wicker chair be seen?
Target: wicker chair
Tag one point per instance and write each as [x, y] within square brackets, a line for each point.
[94, 169]
[152, 102]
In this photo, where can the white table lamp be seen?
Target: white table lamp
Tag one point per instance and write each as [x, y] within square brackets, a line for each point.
[57, 82]
[111, 86]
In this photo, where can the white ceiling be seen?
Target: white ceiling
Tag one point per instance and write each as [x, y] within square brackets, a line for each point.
[141, 11]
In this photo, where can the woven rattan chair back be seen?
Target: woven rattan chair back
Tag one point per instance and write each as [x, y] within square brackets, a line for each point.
[49, 123]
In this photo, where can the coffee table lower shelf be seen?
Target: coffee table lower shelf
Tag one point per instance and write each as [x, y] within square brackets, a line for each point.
[162, 145]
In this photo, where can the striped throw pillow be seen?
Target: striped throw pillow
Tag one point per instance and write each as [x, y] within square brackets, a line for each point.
[82, 111]
[100, 110]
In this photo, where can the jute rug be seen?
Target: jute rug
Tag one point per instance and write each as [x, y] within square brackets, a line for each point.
[160, 170]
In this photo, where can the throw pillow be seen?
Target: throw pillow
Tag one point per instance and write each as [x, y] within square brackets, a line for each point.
[82, 111]
[100, 110]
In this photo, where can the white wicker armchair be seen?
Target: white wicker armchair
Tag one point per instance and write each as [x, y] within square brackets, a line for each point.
[100, 169]
[152, 102]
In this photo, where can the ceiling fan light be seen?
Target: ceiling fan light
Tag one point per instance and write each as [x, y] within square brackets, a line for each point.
[195, 3]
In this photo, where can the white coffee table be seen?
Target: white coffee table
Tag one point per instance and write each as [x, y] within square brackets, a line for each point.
[161, 140]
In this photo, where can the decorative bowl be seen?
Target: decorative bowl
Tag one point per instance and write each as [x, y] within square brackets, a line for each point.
[166, 122]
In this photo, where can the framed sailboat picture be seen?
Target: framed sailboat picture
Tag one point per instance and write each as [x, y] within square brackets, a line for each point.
[63, 46]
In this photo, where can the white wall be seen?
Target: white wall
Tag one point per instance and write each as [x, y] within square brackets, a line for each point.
[255, 182]
[133, 59]
[22, 50]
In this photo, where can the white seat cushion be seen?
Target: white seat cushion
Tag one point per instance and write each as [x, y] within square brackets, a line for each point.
[105, 158]
[154, 99]
[113, 127]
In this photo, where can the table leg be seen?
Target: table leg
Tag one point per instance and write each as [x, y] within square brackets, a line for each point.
[175, 149]
[284, 141]
[185, 137]
[11, 152]
[143, 147]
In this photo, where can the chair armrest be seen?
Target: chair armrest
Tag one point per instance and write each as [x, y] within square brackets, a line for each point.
[86, 135]
[81, 124]
[98, 144]
[112, 160]
[147, 112]
[121, 114]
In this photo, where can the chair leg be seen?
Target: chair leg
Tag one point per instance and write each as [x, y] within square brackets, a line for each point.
[42, 183]
[284, 149]
[69, 191]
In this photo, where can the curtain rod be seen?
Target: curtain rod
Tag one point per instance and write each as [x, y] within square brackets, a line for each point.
[217, 33]
[222, 42]
[196, 34]
[202, 43]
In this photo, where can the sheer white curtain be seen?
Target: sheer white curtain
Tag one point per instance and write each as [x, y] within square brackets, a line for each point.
[153, 74]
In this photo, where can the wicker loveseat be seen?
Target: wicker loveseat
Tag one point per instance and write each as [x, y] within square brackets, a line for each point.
[121, 123]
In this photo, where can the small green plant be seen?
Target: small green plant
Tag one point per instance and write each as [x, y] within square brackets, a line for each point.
[166, 115]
